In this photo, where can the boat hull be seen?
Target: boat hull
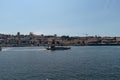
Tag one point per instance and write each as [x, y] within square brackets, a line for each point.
[58, 48]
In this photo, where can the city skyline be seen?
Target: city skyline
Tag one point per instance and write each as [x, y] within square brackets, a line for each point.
[61, 17]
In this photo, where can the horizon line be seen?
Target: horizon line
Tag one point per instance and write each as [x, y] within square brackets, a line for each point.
[58, 35]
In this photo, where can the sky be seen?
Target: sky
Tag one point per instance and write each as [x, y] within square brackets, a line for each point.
[61, 17]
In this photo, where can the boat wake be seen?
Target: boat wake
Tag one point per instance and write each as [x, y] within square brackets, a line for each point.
[12, 49]
[6, 49]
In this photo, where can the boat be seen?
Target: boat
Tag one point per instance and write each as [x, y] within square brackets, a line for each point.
[57, 48]
[52, 46]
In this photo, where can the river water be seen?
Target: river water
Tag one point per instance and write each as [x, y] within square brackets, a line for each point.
[79, 63]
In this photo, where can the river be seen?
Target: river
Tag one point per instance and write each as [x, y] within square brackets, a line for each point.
[78, 63]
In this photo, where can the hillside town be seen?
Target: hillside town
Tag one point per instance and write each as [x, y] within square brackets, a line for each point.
[44, 40]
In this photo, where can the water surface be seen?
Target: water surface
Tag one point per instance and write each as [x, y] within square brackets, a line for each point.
[79, 63]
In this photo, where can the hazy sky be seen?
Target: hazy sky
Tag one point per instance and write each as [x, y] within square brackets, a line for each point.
[69, 17]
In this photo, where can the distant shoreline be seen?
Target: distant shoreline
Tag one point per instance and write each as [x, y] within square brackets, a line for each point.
[20, 40]
[70, 45]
